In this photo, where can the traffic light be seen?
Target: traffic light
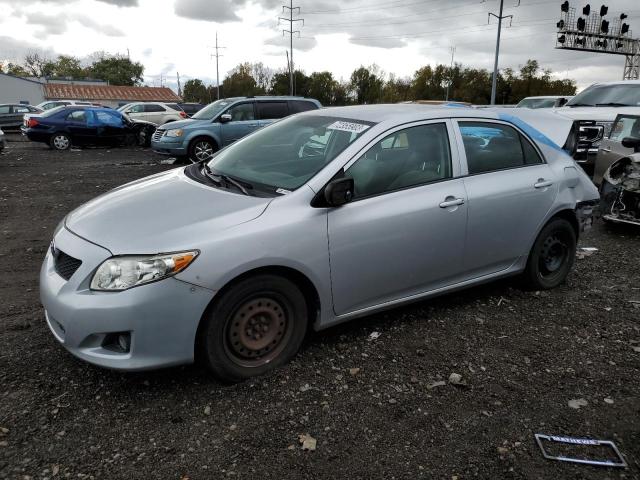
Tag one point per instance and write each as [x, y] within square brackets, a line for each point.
[562, 39]
[603, 10]
[565, 6]
[624, 29]
[581, 24]
[623, 16]
[604, 26]
[580, 41]
[560, 24]
[586, 10]
[619, 45]
[602, 43]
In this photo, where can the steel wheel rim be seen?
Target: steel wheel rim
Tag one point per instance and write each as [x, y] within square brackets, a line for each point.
[257, 332]
[61, 142]
[553, 255]
[203, 150]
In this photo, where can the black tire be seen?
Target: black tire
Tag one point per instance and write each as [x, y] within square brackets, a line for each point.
[552, 255]
[201, 148]
[255, 326]
[60, 141]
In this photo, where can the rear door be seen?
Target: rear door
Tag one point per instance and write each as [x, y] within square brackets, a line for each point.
[18, 113]
[5, 115]
[404, 232]
[155, 113]
[243, 122]
[510, 190]
[81, 126]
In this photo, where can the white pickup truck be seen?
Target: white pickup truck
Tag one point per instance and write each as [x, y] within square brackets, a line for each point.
[595, 109]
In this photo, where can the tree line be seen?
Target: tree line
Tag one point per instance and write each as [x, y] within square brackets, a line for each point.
[115, 69]
[372, 85]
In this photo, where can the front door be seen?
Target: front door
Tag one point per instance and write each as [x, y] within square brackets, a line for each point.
[404, 232]
[243, 122]
[510, 190]
[611, 149]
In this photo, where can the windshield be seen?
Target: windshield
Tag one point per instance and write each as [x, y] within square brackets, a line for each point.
[213, 109]
[286, 154]
[616, 95]
[537, 103]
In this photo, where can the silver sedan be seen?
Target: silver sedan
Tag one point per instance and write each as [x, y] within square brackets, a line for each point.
[319, 218]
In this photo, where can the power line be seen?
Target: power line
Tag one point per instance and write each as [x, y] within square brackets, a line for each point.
[494, 81]
[291, 31]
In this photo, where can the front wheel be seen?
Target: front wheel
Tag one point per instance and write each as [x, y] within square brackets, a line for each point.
[552, 255]
[60, 141]
[256, 326]
[201, 149]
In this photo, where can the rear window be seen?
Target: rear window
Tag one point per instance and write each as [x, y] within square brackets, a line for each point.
[272, 110]
[297, 106]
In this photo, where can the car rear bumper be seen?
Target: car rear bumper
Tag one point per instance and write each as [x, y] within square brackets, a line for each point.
[160, 320]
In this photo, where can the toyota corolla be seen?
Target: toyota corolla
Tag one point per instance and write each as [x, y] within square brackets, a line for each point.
[319, 218]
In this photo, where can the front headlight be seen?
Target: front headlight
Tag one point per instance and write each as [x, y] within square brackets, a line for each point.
[176, 132]
[121, 273]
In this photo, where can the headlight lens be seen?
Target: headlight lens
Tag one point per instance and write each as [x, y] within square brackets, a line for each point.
[176, 132]
[121, 273]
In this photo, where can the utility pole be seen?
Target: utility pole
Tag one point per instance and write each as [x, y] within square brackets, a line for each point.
[291, 31]
[453, 51]
[179, 86]
[500, 17]
[217, 55]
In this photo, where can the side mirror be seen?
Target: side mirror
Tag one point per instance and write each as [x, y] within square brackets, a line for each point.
[225, 117]
[339, 191]
[631, 142]
[560, 102]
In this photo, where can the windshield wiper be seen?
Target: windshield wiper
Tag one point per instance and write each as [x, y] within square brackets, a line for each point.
[613, 104]
[217, 178]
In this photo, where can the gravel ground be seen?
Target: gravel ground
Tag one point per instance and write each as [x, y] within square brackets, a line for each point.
[378, 408]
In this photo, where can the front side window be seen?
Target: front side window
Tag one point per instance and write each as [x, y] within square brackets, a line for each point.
[21, 109]
[242, 112]
[286, 154]
[625, 127]
[136, 109]
[406, 158]
[272, 110]
[110, 119]
[77, 116]
[213, 109]
[493, 146]
[297, 106]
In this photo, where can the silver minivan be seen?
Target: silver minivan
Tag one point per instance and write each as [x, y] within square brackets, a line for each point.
[319, 218]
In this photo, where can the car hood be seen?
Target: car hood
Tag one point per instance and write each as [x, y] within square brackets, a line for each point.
[189, 122]
[162, 213]
[598, 114]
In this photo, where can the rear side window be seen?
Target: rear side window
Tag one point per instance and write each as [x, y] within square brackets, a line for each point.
[297, 106]
[272, 110]
[174, 106]
[20, 109]
[154, 107]
[77, 116]
[493, 146]
[4, 108]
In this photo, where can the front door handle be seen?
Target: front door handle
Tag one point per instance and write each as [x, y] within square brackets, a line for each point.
[451, 202]
[542, 183]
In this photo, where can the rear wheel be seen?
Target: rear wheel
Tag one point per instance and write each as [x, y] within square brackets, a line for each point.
[202, 149]
[60, 141]
[256, 326]
[552, 255]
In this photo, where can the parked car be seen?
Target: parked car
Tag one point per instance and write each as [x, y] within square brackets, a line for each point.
[391, 204]
[3, 140]
[544, 101]
[611, 147]
[595, 109]
[154, 112]
[620, 188]
[48, 105]
[223, 122]
[63, 127]
[11, 114]
[191, 108]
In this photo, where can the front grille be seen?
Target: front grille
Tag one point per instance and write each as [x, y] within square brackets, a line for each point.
[65, 265]
[158, 135]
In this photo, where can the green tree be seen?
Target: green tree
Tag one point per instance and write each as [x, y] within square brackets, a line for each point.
[240, 82]
[116, 69]
[322, 87]
[366, 84]
[14, 69]
[66, 66]
[195, 91]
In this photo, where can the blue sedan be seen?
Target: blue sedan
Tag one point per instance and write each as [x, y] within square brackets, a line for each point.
[65, 126]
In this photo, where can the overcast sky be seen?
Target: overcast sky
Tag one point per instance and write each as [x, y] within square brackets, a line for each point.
[400, 36]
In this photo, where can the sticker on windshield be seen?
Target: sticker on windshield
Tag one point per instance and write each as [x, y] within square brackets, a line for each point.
[348, 126]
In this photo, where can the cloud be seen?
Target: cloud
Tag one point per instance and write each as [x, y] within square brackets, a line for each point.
[108, 30]
[301, 44]
[14, 50]
[218, 11]
[121, 3]
[53, 24]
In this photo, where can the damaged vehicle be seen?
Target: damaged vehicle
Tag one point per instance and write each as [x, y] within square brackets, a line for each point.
[620, 188]
[314, 220]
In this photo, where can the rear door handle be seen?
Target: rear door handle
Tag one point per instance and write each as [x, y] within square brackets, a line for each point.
[542, 183]
[451, 202]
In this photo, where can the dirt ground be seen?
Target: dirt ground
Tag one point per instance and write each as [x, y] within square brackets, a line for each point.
[378, 408]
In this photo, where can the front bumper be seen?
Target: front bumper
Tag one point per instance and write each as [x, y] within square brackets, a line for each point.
[176, 149]
[161, 318]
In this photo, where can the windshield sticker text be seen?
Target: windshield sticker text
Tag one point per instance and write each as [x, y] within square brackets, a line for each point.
[348, 126]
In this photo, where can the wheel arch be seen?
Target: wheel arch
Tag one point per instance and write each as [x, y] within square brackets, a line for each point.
[198, 135]
[302, 281]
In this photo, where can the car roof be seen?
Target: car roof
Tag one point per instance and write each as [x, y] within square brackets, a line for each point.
[548, 96]
[618, 82]
[403, 112]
